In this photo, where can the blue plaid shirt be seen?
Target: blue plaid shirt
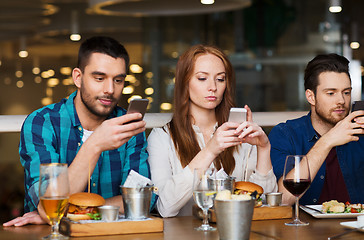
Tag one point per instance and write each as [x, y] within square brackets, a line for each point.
[54, 134]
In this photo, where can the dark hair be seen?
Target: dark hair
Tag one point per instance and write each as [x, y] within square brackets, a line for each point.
[182, 133]
[101, 44]
[324, 63]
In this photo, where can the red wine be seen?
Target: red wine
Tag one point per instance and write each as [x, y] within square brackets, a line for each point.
[296, 188]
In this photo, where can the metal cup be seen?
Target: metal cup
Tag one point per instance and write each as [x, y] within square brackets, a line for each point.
[109, 213]
[234, 218]
[223, 184]
[137, 202]
[274, 199]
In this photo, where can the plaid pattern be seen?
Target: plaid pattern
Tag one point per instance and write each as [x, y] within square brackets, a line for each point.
[54, 134]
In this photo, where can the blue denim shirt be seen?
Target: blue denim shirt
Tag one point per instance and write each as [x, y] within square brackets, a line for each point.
[296, 137]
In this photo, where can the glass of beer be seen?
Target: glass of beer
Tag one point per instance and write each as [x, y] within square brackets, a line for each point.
[53, 193]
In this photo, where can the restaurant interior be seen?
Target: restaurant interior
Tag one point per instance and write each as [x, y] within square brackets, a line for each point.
[269, 42]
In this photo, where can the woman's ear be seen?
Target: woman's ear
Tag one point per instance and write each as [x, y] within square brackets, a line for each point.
[310, 96]
[77, 76]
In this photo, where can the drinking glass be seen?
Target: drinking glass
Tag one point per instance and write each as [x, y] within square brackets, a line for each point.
[53, 194]
[204, 195]
[296, 179]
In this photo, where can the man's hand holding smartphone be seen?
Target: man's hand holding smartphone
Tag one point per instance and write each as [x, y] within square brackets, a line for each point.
[137, 105]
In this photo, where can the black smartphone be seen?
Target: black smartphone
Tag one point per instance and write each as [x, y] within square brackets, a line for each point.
[237, 115]
[357, 105]
[138, 105]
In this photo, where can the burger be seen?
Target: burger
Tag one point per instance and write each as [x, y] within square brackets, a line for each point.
[251, 189]
[83, 206]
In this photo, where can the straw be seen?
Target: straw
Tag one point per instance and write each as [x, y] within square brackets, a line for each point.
[246, 160]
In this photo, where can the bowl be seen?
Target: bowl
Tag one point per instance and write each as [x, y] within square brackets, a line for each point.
[109, 213]
[274, 198]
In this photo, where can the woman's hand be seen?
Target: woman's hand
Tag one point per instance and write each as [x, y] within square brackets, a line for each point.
[252, 133]
[223, 138]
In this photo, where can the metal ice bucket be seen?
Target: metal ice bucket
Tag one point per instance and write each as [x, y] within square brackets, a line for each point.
[137, 202]
[223, 184]
[234, 218]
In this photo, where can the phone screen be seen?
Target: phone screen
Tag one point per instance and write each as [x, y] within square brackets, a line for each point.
[357, 105]
[138, 105]
[237, 115]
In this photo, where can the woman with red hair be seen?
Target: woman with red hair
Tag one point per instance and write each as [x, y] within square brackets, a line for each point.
[199, 136]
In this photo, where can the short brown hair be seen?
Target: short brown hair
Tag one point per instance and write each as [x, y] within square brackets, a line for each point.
[324, 63]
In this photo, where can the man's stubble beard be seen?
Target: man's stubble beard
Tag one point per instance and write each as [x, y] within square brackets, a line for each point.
[87, 101]
[328, 118]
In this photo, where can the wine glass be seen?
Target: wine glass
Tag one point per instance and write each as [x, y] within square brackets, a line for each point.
[53, 194]
[296, 179]
[204, 194]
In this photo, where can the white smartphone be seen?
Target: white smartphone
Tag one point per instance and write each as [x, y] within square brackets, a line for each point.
[138, 105]
[237, 115]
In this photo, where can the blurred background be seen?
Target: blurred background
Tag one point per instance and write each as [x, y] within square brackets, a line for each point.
[269, 42]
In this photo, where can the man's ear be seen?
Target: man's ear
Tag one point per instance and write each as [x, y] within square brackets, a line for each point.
[310, 96]
[76, 76]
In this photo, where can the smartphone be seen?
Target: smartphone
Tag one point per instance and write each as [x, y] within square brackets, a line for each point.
[138, 105]
[357, 105]
[237, 115]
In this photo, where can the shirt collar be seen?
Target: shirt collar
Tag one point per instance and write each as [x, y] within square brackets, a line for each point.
[312, 135]
[198, 130]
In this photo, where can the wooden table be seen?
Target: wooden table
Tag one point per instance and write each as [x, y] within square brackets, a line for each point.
[182, 228]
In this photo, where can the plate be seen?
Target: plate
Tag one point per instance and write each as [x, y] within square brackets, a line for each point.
[353, 224]
[316, 214]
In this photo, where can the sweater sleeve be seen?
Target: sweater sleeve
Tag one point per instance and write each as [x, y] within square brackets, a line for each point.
[174, 182]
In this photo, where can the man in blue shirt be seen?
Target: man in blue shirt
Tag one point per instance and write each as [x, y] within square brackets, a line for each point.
[87, 131]
[327, 136]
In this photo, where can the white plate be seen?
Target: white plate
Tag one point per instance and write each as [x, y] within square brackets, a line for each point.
[353, 224]
[316, 214]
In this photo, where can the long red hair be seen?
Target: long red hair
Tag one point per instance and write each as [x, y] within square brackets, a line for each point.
[180, 127]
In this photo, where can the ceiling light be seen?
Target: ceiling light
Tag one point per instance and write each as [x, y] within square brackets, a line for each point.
[23, 53]
[166, 106]
[7, 81]
[207, 2]
[46, 101]
[354, 45]
[37, 79]
[65, 70]
[36, 70]
[75, 35]
[335, 6]
[128, 90]
[149, 91]
[52, 82]
[20, 84]
[19, 73]
[354, 37]
[135, 68]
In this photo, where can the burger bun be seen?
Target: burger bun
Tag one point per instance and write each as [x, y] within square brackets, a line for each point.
[86, 199]
[249, 187]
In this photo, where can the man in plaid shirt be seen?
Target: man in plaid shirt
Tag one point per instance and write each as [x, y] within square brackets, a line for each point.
[85, 130]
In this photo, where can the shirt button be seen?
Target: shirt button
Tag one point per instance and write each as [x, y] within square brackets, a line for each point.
[322, 176]
[314, 200]
[94, 184]
[80, 128]
[79, 144]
